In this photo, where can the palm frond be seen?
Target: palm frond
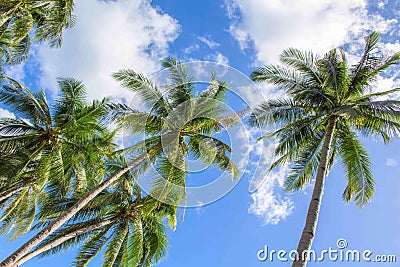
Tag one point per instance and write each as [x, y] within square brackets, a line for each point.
[305, 165]
[333, 70]
[360, 72]
[20, 99]
[146, 89]
[54, 17]
[277, 111]
[115, 244]
[91, 248]
[71, 97]
[285, 78]
[180, 88]
[361, 185]
[304, 62]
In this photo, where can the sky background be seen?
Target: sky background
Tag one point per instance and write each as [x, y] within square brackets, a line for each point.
[244, 34]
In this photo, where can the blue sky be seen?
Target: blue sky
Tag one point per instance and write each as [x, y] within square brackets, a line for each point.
[243, 34]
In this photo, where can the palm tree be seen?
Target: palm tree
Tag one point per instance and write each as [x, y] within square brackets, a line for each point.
[178, 123]
[127, 225]
[48, 18]
[327, 104]
[53, 151]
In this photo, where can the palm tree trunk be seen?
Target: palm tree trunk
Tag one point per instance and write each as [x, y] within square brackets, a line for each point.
[15, 189]
[39, 237]
[62, 240]
[310, 227]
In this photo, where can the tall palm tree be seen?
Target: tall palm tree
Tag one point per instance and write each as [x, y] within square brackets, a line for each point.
[328, 102]
[178, 123]
[49, 151]
[127, 225]
[48, 18]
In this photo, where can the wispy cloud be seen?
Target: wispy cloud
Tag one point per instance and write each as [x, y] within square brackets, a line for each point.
[391, 162]
[210, 43]
[16, 72]
[218, 58]
[381, 4]
[191, 48]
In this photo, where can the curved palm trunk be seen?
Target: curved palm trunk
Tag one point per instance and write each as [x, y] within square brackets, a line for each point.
[310, 227]
[39, 237]
[15, 189]
[62, 240]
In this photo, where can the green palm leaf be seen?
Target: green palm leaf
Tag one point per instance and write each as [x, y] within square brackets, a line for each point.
[361, 184]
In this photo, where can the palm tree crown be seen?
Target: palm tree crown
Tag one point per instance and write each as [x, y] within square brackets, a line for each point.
[19, 17]
[328, 103]
[320, 90]
[49, 152]
[178, 122]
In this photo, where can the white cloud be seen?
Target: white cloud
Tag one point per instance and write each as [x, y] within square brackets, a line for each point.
[208, 42]
[200, 209]
[306, 24]
[16, 72]
[382, 84]
[109, 36]
[391, 162]
[191, 48]
[243, 37]
[6, 114]
[269, 205]
[218, 58]
[266, 193]
[231, 9]
[390, 48]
